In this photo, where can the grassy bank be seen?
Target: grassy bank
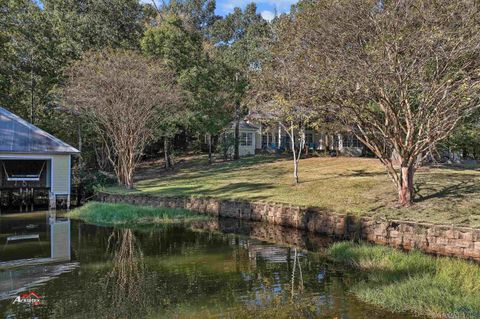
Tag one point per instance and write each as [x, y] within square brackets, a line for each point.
[357, 186]
[123, 214]
[414, 282]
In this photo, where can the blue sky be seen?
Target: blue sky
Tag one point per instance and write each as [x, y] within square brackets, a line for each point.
[265, 7]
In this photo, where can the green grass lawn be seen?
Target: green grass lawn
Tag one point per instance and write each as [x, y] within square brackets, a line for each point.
[414, 282]
[345, 185]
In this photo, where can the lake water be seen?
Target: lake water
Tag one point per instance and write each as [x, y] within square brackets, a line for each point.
[215, 269]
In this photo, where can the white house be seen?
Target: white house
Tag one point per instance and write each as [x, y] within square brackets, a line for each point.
[250, 140]
[32, 163]
[255, 138]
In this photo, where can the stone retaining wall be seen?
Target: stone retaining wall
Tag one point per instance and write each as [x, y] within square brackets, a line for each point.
[442, 240]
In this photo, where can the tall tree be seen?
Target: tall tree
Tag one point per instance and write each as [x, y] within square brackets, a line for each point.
[30, 58]
[181, 49]
[241, 42]
[38, 43]
[124, 94]
[200, 75]
[284, 90]
[96, 24]
[172, 42]
[198, 15]
[403, 73]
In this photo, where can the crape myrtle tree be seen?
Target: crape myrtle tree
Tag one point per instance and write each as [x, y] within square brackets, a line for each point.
[124, 95]
[402, 73]
[283, 90]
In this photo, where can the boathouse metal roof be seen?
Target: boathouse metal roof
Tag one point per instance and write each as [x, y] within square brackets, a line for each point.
[20, 136]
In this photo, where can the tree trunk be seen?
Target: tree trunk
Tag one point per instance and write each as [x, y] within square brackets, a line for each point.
[32, 92]
[279, 144]
[165, 151]
[295, 168]
[236, 155]
[225, 146]
[209, 139]
[125, 172]
[295, 159]
[406, 192]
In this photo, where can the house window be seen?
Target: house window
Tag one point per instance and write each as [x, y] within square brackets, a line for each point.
[265, 140]
[309, 139]
[351, 141]
[336, 142]
[246, 139]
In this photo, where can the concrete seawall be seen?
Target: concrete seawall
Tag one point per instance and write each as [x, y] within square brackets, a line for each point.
[462, 242]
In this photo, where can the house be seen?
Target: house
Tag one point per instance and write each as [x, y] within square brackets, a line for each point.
[34, 165]
[250, 140]
[256, 138]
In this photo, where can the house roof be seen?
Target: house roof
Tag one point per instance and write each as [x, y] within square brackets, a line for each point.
[19, 136]
[244, 125]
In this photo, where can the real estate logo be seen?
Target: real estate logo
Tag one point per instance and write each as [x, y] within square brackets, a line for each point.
[29, 298]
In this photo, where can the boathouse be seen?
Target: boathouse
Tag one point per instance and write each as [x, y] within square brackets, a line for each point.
[35, 167]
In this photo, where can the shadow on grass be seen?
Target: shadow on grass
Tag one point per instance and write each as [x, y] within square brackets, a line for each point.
[202, 169]
[362, 173]
[232, 190]
[458, 190]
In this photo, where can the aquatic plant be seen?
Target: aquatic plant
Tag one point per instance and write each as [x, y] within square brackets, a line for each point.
[425, 285]
[125, 214]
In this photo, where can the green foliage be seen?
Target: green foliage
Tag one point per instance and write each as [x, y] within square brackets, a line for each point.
[198, 15]
[201, 77]
[413, 281]
[37, 44]
[226, 142]
[84, 25]
[465, 138]
[241, 39]
[94, 181]
[173, 43]
[124, 214]
[30, 58]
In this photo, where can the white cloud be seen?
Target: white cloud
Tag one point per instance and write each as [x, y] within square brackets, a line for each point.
[267, 15]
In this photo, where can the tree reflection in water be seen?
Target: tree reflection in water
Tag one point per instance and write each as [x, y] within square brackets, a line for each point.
[297, 264]
[125, 285]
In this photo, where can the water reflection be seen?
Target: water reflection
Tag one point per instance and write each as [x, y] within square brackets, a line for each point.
[26, 263]
[125, 284]
[297, 263]
[222, 269]
[20, 274]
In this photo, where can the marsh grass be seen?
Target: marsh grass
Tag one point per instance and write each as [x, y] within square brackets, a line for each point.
[414, 282]
[131, 215]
